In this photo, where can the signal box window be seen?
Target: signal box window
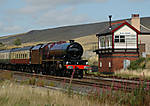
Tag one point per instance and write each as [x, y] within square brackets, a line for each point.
[117, 39]
[120, 39]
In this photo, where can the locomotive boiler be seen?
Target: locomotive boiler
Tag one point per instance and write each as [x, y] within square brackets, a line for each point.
[63, 50]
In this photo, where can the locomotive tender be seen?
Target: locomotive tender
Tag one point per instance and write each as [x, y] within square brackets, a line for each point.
[57, 58]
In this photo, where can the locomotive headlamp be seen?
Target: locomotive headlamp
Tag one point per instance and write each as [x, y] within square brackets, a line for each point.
[77, 62]
[87, 63]
[67, 62]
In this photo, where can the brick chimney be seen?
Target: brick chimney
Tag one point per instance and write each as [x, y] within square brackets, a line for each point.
[135, 21]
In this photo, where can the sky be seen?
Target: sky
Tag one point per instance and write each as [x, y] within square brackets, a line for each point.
[20, 16]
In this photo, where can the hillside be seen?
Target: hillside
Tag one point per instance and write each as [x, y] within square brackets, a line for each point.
[57, 34]
[63, 33]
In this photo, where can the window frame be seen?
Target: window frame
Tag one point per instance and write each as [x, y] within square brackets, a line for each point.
[120, 39]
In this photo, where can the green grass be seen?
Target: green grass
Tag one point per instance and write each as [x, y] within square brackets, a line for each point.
[138, 64]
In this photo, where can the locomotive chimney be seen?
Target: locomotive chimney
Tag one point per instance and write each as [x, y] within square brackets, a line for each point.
[110, 16]
[135, 21]
[71, 41]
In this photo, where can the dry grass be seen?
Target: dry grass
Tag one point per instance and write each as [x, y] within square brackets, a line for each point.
[12, 94]
[134, 73]
[6, 75]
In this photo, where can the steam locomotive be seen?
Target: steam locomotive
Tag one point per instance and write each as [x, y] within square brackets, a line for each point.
[55, 58]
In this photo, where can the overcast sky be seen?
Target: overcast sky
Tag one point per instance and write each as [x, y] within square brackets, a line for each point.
[19, 16]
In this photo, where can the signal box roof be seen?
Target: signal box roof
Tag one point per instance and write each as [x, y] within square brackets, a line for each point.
[115, 27]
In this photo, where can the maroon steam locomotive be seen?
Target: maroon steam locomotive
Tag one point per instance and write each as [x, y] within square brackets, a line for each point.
[57, 58]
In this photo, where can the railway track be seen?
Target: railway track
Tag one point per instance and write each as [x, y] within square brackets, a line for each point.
[114, 77]
[118, 80]
[102, 83]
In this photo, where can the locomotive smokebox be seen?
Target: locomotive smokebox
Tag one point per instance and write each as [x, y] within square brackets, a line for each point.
[71, 41]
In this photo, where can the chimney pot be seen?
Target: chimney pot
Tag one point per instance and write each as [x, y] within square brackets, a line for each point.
[135, 15]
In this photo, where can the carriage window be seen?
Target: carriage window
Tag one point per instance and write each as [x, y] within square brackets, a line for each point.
[25, 56]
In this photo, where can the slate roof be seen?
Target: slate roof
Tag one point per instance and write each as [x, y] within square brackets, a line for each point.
[107, 30]
[144, 30]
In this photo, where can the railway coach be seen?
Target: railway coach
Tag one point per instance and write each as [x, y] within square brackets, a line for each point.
[4, 59]
[20, 59]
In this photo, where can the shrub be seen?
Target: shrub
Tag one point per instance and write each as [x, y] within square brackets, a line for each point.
[41, 83]
[137, 64]
[17, 41]
[52, 84]
[32, 81]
